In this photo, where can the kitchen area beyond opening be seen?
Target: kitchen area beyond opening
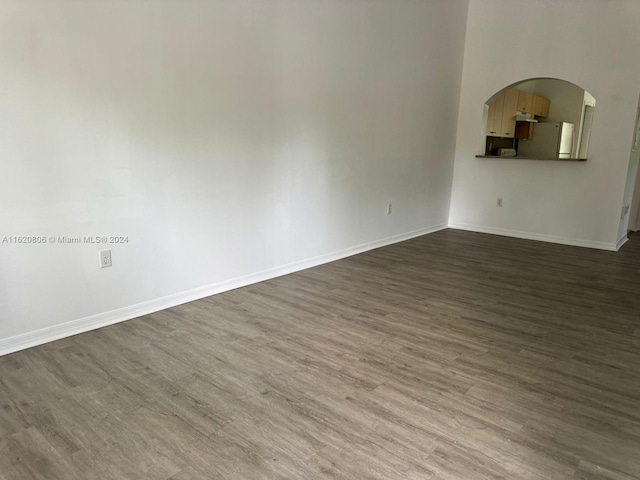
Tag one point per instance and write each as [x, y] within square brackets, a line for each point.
[540, 118]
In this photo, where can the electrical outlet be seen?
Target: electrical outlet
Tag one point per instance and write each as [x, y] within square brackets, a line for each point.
[499, 202]
[388, 209]
[105, 258]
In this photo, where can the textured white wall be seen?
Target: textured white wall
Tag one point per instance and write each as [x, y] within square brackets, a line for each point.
[634, 214]
[224, 138]
[588, 42]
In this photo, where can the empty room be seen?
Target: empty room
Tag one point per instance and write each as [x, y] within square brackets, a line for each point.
[319, 239]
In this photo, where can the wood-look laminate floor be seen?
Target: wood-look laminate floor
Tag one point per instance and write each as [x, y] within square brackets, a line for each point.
[451, 356]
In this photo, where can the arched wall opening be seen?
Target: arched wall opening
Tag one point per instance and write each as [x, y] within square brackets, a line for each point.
[539, 118]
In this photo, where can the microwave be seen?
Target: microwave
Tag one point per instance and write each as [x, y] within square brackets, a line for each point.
[506, 152]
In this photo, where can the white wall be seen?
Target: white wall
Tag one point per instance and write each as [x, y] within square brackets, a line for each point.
[528, 86]
[229, 140]
[632, 190]
[634, 213]
[588, 42]
[628, 220]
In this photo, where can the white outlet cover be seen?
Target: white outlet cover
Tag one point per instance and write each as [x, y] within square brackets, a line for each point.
[105, 258]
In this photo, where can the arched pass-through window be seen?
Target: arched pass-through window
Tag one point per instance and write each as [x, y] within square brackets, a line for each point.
[539, 118]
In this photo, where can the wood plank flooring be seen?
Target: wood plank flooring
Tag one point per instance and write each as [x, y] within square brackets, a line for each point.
[451, 356]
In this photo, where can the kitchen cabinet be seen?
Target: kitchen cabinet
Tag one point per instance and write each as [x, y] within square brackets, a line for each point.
[541, 106]
[526, 102]
[530, 103]
[494, 119]
[508, 125]
[501, 119]
[524, 130]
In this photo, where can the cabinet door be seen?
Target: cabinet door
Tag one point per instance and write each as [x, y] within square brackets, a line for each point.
[494, 120]
[508, 124]
[524, 130]
[541, 106]
[525, 102]
[491, 118]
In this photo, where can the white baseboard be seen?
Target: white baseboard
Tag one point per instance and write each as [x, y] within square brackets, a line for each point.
[621, 242]
[536, 236]
[74, 327]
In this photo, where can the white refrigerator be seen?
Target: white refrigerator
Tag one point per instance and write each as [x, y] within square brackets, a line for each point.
[550, 140]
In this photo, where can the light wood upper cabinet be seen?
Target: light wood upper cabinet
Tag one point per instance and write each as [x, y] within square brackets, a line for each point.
[541, 106]
[525, 102]
[494, 119]
[508, 125]
[501, 119]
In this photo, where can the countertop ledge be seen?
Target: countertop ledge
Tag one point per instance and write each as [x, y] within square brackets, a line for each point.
[531, 158]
